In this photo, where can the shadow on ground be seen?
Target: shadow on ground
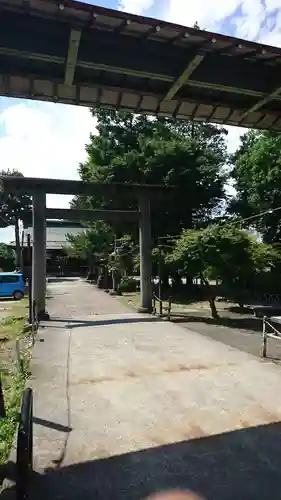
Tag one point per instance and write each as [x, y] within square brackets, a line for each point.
[243, 464]
[76, 323]
[7, 299]
[51, 425]
[251, 323]
[240, 310]
[61, 279]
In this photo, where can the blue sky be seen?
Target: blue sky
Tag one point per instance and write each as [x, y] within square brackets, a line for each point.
[110, 4]
[48, 140]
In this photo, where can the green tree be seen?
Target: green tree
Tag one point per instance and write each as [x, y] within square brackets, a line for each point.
[92, 244]
[125, 254]
[257, 176]
[138, 149]
[7, 258]
[221, 253]
[13, 209]
[121, 260]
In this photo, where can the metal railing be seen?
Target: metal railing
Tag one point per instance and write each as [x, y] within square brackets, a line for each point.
[24, 463]
[157, 300]
[269, 331]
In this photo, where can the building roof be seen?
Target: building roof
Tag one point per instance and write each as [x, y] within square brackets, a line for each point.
[70, 225]
[71, 52]
[52, 223]
[55, 236]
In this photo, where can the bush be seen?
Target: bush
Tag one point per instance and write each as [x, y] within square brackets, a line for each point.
[7, 258]
[128, 285]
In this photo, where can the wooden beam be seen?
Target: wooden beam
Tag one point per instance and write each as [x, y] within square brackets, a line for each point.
[225, 88]
[183, 78]
[73, 47]
[140, 73]
[92, 215]
[122, 70]
[262, 102]
[14, 184]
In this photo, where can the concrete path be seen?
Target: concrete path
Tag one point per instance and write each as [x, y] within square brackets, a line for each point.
[126, 405]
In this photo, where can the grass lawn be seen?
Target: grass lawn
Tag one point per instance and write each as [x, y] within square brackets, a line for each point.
[12, 323]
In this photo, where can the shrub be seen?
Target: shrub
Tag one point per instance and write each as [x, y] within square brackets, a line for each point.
[7, 258]
[128, 285]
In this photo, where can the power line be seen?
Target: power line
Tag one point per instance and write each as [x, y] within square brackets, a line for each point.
[226, 222]
[261, 214]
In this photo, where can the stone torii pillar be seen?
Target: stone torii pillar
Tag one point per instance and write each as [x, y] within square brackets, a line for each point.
[145, 254]
[39, 253]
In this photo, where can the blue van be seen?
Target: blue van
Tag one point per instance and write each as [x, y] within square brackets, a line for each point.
[12, 285]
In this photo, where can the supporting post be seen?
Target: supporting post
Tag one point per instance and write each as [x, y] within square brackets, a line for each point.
[2, 405]
[29, 277]
[22, 252]
[159, 270]
[264, 337]
[169, 308]
[145, 255]
[39, 254]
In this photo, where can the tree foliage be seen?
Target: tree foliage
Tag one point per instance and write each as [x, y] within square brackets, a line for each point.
[222, 253]
[124, 256]
[13, 208]
[93, 242]
[138, 149]
[7, 258]
[191, 156]
[257, 176]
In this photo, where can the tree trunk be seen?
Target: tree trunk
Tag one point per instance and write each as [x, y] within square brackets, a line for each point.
[115, 282]
[213, 308]
[211, 297]
[17, 239]
[91, 274]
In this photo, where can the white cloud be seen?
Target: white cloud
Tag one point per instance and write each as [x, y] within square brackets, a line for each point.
[272, 4]
[233, 138]
[137, 7]
[258, 20]
[271, 32]
[211, 13]
[248, 25]
[206, 12]
[44, 140]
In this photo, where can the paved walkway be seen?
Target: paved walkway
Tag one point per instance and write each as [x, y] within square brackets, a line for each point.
[126, 405]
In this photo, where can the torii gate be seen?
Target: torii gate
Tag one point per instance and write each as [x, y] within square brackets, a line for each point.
[38, 189]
